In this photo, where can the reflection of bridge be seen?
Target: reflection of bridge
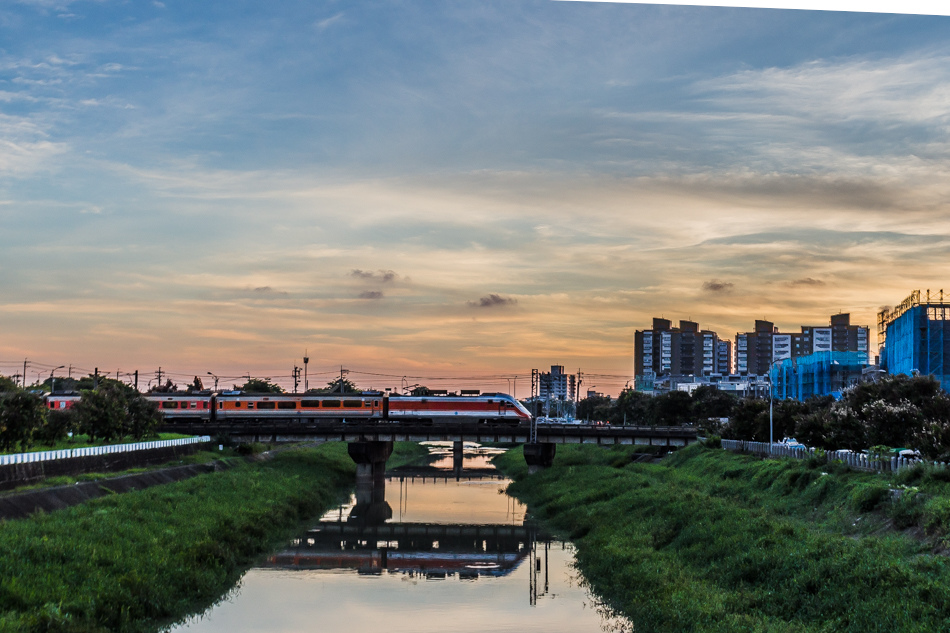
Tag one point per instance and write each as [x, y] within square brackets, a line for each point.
[441, 474]
[433, 550]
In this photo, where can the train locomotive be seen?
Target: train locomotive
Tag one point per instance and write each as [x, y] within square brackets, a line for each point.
[240, 407]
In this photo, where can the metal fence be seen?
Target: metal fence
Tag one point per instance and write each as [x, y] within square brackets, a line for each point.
[42, 456]
[860, 461]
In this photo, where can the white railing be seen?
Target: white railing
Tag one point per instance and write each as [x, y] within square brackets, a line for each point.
[43, 456]
[854, 460]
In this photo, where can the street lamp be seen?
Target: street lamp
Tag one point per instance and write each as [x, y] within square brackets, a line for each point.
[52, 380]
[215, 380]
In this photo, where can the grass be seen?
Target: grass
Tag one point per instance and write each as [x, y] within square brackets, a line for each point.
[715, 542]
[200, 457]
[133, 561]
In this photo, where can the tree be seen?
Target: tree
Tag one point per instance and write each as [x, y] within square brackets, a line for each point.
[168, 387]
[710, 402]
[749, 421]
[7, 385]
[350, 387]
[59, 422]
[21, 413]
[672, 409]
[101, 413]
[259, 385]
[197, 385]
[633, 407]
[143, 417]
[595, 408]
[116, 410]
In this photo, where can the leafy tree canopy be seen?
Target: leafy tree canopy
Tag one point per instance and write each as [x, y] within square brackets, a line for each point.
[21, 413]
[334, 386]
[259, 385]
[7, 385]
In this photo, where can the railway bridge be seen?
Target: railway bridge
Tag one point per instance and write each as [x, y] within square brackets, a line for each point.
[370, 441]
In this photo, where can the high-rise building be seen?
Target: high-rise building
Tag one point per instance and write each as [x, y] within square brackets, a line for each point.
[724, 358]
[556, 385]
[686, 350]
[756, 351]
[916, 337]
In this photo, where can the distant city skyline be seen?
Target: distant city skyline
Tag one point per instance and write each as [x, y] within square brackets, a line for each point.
[470, 188]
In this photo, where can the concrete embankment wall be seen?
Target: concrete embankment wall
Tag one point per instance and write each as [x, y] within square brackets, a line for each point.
[14, 475]
[18, 506]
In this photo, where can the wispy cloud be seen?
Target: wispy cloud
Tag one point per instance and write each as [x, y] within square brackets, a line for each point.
[493, 301]
[717, 286]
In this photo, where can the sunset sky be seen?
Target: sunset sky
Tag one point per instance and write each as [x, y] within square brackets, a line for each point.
[465, 188]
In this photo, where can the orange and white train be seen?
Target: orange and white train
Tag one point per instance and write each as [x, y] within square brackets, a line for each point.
[231, 406]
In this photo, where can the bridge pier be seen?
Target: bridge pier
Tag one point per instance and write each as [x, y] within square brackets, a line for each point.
[458, 457]
[371, 506]
[539, 455]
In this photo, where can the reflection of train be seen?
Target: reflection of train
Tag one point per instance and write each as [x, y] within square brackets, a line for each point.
[235, 406]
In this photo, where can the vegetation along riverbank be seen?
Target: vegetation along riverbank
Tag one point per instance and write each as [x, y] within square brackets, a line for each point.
[131, 561]
[712, 541]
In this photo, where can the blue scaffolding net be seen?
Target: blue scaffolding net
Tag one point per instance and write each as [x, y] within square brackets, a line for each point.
[818, 374]
[917, 338]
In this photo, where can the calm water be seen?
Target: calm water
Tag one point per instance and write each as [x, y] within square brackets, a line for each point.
[452, 556]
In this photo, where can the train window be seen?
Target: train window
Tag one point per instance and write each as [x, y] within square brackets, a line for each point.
[375, 403]
[204, 405]
[250, 405]
[286, 404]
[353, 404]
[310, 404]
[331, 403]
[169, 405]
[265, 405]
[194, 405]
[237, 405]
[220, 405]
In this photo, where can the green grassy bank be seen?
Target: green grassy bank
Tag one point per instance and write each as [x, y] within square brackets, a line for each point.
[131, 561]
[711, 541]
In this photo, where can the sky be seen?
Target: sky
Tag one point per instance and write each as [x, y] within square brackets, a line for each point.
[454, 189]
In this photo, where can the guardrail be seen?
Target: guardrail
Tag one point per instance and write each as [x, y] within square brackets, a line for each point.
[87, 451]
[860, 461]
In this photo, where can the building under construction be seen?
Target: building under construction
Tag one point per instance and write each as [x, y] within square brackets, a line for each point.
[915, 337]
[825, 373]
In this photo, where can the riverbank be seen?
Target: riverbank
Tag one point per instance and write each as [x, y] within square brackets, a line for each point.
[130, 562]
[711, 541]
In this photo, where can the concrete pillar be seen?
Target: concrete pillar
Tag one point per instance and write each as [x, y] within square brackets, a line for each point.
[458, 457]
[370, 457]
[539, 456]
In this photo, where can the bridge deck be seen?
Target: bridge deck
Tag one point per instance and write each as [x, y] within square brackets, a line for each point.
[414, 432]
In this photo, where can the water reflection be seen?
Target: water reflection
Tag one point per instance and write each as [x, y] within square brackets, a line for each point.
[455, 553]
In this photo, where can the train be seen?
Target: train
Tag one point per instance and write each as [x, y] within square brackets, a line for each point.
[236, 406]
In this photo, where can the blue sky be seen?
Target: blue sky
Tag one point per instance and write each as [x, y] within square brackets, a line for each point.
[455, 186]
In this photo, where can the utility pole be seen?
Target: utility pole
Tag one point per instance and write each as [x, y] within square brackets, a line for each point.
[158, 374]
[24, 373]
[341, 378]
[136, 379]
[296, 377]
[95, 380]
[306, 384]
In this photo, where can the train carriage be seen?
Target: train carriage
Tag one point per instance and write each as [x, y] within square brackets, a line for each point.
[256, 408]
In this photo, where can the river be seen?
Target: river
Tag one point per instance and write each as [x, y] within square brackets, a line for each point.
[439, 554]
